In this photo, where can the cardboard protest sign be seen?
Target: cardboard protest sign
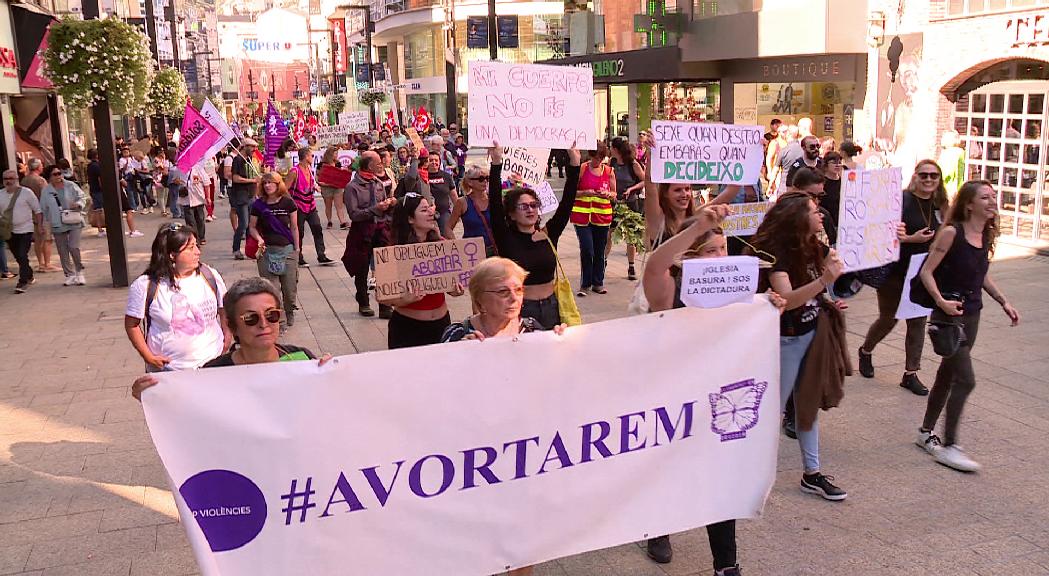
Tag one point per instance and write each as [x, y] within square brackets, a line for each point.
[745, 218]
[427, 267]
[531, 105]
[546, 197]
[355, 122]
[529, 163]
[413, 135]
[706, 153]
[907, 308]
[871, 207]
[333, 135]
[717, 282]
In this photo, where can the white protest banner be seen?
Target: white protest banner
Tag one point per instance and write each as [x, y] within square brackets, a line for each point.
[706, 153]
[426, 267]
[333, 135]
[745, 218]
[372, 465]
[717, 282]
[907, 308]
[546, 197]
[356, 122]
[529, 163]
[531, 105]
[871, 206]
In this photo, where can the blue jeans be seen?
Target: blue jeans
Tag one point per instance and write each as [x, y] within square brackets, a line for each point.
[173, 207]
[132, 194]
[242, 224]
[3, 257]
[592, 242]
[792, 351]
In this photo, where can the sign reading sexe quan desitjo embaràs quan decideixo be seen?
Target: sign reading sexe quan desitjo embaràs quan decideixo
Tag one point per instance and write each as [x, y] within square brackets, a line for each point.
[427, 267]
[706, 153]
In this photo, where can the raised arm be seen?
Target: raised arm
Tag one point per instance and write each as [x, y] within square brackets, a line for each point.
[658, 284]
[654, 219]
[500, 229]
[556, 225]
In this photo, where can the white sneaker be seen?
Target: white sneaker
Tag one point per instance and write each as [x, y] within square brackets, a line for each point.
[80, 279]
[954, 457]
[928, 441]
[135, 234]
[70, 281]
[209, 219]
[101, 233]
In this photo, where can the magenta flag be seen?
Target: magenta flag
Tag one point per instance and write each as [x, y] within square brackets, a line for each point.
[198, 136]
[276, 132]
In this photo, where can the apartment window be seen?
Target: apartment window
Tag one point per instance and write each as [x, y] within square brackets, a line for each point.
[971, 7]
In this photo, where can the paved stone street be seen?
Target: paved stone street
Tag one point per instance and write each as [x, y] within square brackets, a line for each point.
[82, 491]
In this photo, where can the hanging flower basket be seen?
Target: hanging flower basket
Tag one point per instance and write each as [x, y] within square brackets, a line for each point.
[369, 97]
[336, 103]
[167, 94]
[88, 60]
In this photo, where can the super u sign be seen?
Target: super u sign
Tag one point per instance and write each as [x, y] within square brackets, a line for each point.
[531, 105]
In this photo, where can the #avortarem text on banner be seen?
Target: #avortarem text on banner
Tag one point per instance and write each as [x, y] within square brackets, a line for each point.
[470, 458]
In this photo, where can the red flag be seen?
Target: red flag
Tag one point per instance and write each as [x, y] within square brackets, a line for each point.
[391, 121]
[422, 120]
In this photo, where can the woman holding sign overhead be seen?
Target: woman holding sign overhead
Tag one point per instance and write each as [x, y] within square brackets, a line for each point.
[417, 319]
[924, 205]
[519, 236]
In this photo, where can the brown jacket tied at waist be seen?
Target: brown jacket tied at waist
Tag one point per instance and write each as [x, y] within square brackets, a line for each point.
[821, 383]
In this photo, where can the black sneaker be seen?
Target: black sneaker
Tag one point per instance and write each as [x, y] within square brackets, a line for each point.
[303, 263]
[659, 549]
[631, 274]
[730, 571]
[866, 364]
[385, 312]
[789, 429]
[329, 225]
[821, 485]
[912, 383]
[325, 261]
[20, 288]
[344, 226]
[366, 310]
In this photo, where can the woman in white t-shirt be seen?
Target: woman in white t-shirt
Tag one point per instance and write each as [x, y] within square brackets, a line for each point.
[180, 328]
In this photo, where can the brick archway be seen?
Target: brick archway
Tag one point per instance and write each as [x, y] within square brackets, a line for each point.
[1026, 68]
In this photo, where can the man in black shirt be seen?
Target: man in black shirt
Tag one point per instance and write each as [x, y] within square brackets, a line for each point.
[810, 157]
[245, 176]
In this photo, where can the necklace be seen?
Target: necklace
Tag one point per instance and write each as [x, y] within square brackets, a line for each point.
[921, 208]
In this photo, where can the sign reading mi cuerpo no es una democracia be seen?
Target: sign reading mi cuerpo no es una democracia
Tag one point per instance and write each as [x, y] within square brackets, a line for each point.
[531, 105]
[705, 153]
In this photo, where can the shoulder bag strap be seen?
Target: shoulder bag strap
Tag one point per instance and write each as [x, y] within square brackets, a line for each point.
[10, 210]
[556, 257]
[151, 294]
[209, 276]
[484, 221]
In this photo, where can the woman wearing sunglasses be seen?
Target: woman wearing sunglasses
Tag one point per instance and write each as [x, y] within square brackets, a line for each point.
[924, 206]
[61, 201]
[253, 315]
[417, 319]
[173, 314]
[520, 237]
[472, 209]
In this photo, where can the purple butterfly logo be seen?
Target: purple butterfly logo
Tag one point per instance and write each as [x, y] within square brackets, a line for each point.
[734, 410]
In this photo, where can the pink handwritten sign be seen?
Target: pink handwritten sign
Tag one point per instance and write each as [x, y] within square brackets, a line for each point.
[531, 105]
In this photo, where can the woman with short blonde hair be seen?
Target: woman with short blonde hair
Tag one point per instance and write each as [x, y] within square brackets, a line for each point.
[274, 224]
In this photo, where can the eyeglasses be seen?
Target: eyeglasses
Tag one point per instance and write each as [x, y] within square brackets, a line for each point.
[172, 227]
[927, 175]
[53, 174]
[413, 195]
[480, 178]
[272, 316]
[507, 293]
[528, 206]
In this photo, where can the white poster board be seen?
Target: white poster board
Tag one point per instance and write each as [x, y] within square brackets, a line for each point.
[706, 153]
[546, 197]
[717, 282]
[531, 105]
[353, 467]
[871, 209]
[745, 218]
[528, 163]
[333, 135]
[355, 122]
[909, 309]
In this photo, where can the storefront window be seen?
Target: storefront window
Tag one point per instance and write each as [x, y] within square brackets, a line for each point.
[969, 7]
[830, 105]
[688, 101]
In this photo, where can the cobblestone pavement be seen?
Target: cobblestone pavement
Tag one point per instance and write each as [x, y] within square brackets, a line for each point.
[82, 491]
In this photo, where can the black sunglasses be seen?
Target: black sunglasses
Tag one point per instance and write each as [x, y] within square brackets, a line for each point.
[927, 175]
[480, 178]
[272, 316]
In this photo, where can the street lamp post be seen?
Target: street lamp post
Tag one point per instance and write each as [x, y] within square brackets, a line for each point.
[368, 27]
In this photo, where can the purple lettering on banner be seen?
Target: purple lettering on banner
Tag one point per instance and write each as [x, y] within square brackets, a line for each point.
[629, 430]
[415, 475]
[670, 429]
[229, 508]
[381, 492]
[558, 446]
[590, 442]
[343, 488]
[470, 466]
[521, 457]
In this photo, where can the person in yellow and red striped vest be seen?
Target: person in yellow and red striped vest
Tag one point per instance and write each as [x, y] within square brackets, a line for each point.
[592, 216]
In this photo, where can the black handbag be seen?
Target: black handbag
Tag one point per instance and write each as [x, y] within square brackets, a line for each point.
[947, 337]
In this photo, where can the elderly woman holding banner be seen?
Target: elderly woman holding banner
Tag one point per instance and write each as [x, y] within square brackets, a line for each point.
[417, 319]
[253, 314]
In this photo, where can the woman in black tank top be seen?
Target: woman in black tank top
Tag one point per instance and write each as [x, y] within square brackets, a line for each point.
[956, 274]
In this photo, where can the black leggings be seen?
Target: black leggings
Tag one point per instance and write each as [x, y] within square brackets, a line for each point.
[722, 537]
[314, 220]
[405, 332]
[955, 380]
